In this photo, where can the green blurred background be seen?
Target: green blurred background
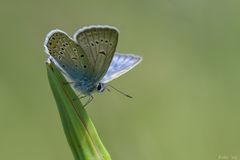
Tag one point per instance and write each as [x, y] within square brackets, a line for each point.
[186, 92]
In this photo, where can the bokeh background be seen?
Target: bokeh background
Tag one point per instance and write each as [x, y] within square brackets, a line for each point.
[186, 92]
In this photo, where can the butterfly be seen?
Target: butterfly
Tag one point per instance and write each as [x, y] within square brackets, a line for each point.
[89, 59]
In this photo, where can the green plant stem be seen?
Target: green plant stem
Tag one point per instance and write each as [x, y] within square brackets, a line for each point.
[79, 129]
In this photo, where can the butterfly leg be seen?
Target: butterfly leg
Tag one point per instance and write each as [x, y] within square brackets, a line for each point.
[79, 97]
[90, 98]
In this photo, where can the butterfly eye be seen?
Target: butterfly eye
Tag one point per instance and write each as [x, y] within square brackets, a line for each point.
[100, 87]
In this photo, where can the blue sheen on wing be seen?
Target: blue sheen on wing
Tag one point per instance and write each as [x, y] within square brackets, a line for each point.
[121, 63]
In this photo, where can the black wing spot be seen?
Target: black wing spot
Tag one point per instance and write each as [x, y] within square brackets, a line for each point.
[50, 43]
[102, 52]
[61, 52]
[92, 43]
[106, 41]
[96, 42]
[84, 66]
[53, 38]
[63, 66]
[110, 44]
[82, 55]
[62, 48]
[101, 40]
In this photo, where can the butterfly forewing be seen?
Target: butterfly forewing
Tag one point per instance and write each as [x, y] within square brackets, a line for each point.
[69, 56]
[99, 42]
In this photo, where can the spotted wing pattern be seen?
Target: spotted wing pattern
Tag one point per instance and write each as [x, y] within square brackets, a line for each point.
[99, 43]
[68, 55]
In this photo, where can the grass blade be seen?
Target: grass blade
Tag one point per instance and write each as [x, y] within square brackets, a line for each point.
[79, 129]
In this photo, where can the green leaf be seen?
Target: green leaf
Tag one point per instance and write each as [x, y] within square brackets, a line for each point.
[79, 129]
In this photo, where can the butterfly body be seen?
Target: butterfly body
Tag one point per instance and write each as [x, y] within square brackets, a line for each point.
[86, 86]
[89, 60]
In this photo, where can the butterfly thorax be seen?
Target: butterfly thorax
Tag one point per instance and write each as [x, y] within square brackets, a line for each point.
[88, 88]
[85, 87]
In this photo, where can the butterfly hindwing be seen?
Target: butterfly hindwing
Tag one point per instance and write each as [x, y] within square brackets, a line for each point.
[70, 57]
[100, 43]
[121, 63]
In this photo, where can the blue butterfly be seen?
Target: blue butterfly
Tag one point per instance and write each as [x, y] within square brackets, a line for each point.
[89, 60]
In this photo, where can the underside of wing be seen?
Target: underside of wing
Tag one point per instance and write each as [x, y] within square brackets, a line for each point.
[67, 55]
[99, 43]
[121, 63]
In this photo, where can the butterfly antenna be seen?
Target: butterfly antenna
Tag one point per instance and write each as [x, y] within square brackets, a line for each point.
[120, 91]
